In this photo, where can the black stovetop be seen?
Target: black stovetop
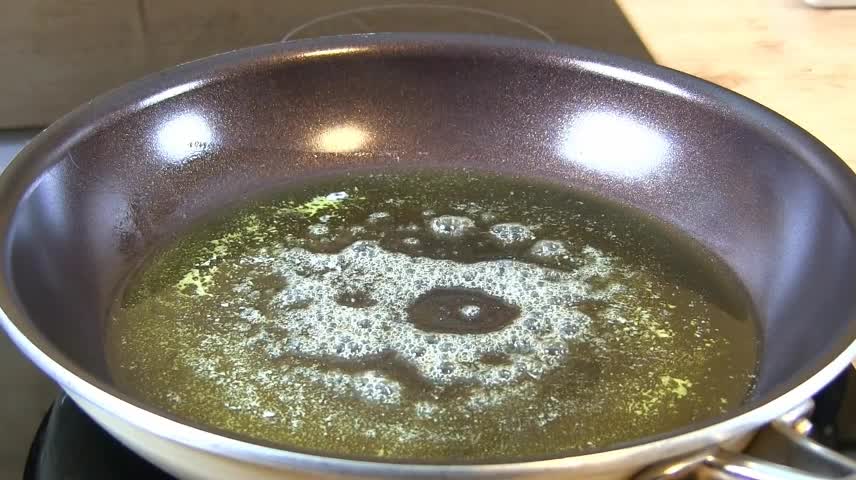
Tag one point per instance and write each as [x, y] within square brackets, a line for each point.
[69, 445]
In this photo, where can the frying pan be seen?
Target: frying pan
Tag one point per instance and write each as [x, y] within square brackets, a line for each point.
[95, 191]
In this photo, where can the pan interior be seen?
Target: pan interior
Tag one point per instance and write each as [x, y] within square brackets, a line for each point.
[441, 315]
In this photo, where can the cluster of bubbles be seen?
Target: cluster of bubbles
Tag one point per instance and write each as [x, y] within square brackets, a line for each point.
[352, 306]
[369, 386]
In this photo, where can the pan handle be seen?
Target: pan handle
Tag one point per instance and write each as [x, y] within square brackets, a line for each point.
[789, 433]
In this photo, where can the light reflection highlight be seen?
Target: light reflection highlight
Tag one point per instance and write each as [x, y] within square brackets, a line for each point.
[633, 77]
[331, 52]
[613, 144]
[344, 138]
[170, 92]
[184, 135]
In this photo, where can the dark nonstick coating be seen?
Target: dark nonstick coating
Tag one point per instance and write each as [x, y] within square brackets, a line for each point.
[83, 203]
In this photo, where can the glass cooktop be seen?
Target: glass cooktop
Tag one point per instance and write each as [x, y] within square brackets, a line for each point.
[598, 24]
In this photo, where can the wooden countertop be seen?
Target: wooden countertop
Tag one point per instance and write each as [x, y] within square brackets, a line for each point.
[796, 60]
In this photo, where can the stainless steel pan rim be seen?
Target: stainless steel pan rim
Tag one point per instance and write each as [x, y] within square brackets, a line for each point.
[30, 163]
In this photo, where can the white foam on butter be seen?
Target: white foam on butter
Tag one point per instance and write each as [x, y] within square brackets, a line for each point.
[511, 234]
[451, 226]
[369, 386]
[305, 320]
[320, 328]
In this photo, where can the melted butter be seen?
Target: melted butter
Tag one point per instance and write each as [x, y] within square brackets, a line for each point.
[435, 317]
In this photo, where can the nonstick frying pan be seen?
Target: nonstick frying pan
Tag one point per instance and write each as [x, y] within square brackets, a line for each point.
[95, 191]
